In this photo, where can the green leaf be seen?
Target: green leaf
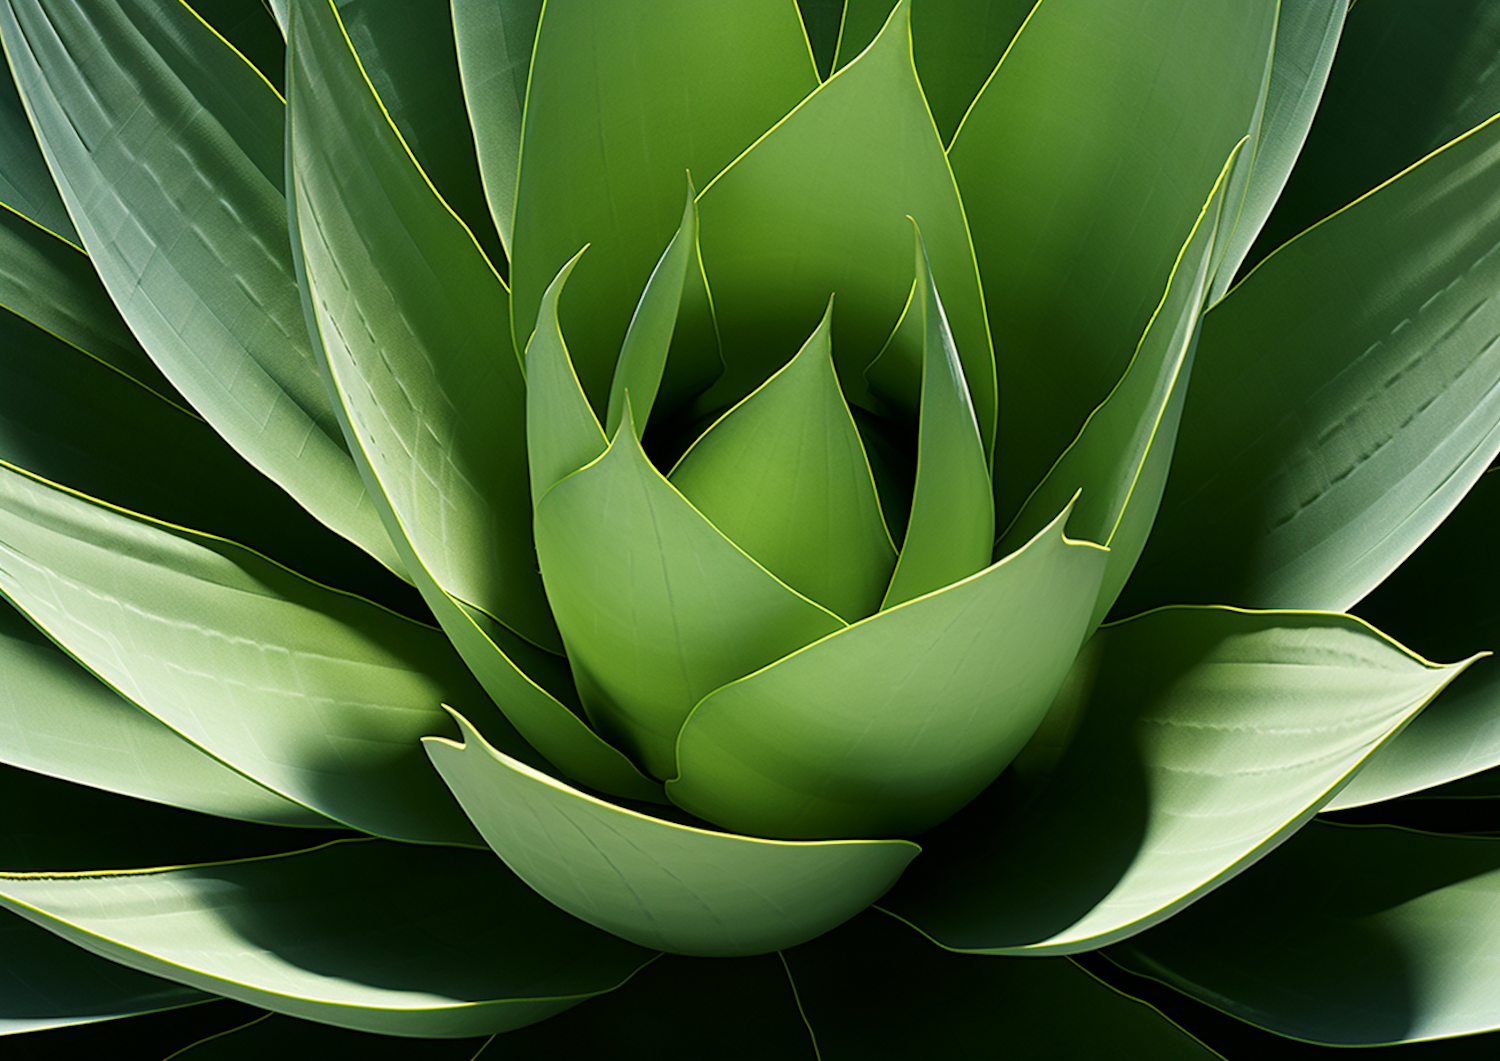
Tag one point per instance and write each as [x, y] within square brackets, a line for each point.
[1117, 466]
[874, 990]
[1186, 744]
[318, 695]
[408, 53]
[1344, 398]
[784, 476]
[251, 27]
[951, 527]
[127, 445]
[957, 47]
[891, 725]
[338, 938]
[1084, 163]
[818, 206]
[25, 184]
[1346, 936]
[1442, 601]
[1306, 36]
[622, 99]
[663, 885]
[821, 20]
[412, 324]
[57, 719]
[52, 984]
[177, 194]
[1407, 79]
[494, 42]
[656, 606]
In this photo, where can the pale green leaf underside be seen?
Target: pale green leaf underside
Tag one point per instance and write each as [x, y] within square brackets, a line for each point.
[1186, 744]
[659, 884]
[1396, 941]
[52, 984]
[177, 194]
[334, 934]
[318, 695]
[784, 476]
[413, 324]
[59, 720]
[889, 726]
[1346, 395]
[818, 206]
[656, 606]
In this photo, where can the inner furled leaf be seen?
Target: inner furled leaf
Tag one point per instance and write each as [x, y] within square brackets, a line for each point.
[951, 530]
[168, 149]
[1345, 396]
[1083, 164]
[623, 98]
[819, 205]
[412, 323]
[318, 695]
[784, 476]
[657, 608]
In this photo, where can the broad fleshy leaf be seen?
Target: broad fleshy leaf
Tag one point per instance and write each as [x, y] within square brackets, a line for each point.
[657, 608]
[177, 194]
[785, 477]
[1344, 398]
[1186, 744]
[1347, 936]
[367, 957]
[657, 883]
[25, 184]
[888, 727]
[1083, 164]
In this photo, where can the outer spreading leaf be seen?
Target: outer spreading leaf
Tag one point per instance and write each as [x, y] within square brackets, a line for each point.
[365, 957]
[177, 193]
[654, 882]
[1187, 743]
[818, 206]
[1345, 397]
[623, 98]
[656, 606]
[889, 726]
[1083, 164]
[1346, 936]
[317, 695]
[25, 184]
[784, 476]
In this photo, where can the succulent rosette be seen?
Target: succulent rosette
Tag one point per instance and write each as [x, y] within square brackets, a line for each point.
[774, 520]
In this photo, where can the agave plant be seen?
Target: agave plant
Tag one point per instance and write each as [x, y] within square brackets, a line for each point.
[646, 504]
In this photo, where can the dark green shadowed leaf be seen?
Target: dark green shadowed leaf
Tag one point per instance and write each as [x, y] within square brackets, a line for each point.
[656, 606]
[52, 984]
[274, 1035]
[821, 20]
[369, 935]
[886, 728]
[1444, 601]
[412, 324]
[1117, 466]
[874, 990]
[1348, 936]
[251, 28]
[124, 444]
[1408, 78]
[654, 882]
[1345, 396]
[169, 148]
[819, 205]
[58, 719]
[784, 476]
[1186, 744]
[318, 695]
[25, 184]
[951, 526]
[957, 44]
[494, 42]
[408, 52]
[624, 98]
[1083, 164]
